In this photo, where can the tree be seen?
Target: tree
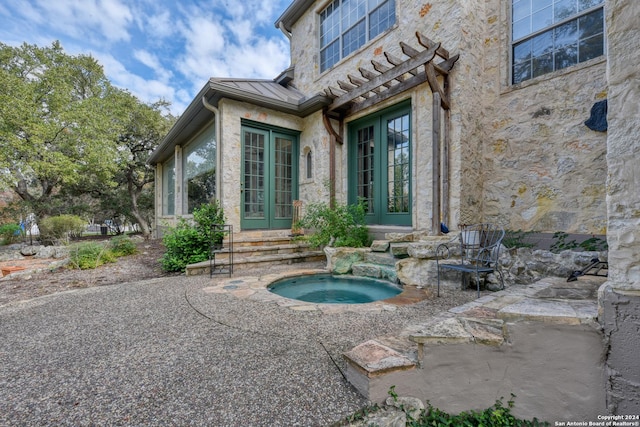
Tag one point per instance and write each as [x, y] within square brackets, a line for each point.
[54, 123]
[141, 128]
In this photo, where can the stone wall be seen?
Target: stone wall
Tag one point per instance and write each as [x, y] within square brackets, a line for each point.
[620, 296]
[544, 169]
[520, 155]
[231, 115]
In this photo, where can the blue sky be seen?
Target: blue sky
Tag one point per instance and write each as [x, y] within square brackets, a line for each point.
[157, 49]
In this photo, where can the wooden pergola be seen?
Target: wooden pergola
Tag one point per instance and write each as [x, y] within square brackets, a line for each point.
[431, 64]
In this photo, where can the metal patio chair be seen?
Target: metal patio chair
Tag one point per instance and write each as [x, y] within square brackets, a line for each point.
[475, 250]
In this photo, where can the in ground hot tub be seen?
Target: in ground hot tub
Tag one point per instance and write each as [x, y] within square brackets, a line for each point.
[330, 289]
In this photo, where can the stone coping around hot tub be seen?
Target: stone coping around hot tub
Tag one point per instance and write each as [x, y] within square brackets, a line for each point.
[256, 288]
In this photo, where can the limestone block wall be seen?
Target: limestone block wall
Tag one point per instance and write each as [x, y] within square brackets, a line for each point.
[520, 155]
[316, 138]
[544, 169]
[441, 22]
[620, 296]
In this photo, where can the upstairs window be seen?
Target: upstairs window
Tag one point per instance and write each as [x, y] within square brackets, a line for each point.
[550, 35]
[346, 25]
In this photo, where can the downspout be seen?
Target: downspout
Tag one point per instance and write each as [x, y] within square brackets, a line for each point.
[334, 138]
[286, 33]
[216, 118]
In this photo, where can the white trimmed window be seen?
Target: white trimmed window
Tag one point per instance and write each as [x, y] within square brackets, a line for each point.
[346, 25]
[549, 35]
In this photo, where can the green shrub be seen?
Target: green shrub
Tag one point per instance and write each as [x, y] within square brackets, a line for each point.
[592, 244]
[188, 244]
[516, 239]
[89, 255]
[208, 215]
[185, 245]
[495, 416]
[342, 226]
[62, 227]
[122, 246]
[9, 233]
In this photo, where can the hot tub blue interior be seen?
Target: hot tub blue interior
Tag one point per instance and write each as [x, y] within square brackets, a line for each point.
[329, 289]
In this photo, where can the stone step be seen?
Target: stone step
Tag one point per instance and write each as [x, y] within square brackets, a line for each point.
[251, 241]
[250, 251]
[243, 262]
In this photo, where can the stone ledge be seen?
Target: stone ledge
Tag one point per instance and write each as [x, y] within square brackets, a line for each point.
[370, 360]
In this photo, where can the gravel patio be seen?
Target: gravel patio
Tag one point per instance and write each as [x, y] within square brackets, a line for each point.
[167, 352]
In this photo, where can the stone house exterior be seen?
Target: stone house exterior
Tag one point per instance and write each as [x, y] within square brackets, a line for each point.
[505, 123]
[518, 154]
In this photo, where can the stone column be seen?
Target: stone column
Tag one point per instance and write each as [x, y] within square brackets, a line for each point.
[620, 295]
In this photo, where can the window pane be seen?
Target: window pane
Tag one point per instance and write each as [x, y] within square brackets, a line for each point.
[564, 9]
[541, 19]
[352, 12]
[521, 72]
[586, 4]
[577, 39]
[330, 55]
[350, 24]
[521, 9]
[566, 34]
[329, 23]
[591, 24]
[522, 51]
[365, 168]
[169, 187]
[199, 170]
[566, 57]
[382, 18]
[354, 38]
[540, 4]
[542, 44]
[591, 48]
[542, 65]
[521, 28]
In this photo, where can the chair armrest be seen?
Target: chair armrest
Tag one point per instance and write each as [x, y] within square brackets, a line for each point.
[444, 250]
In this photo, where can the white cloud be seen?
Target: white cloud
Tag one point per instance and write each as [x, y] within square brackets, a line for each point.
[81, 18]
[157, 48]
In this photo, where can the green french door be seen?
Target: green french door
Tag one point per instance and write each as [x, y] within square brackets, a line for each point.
[269, 178]
[380, 165]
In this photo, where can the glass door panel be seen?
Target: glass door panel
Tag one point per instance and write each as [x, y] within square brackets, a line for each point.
[398, 164]
[380, 166]
[254, 184]
[283, 180]
[269, 179]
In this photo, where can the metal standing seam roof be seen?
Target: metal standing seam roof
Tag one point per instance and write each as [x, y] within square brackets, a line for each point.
[266, 93]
